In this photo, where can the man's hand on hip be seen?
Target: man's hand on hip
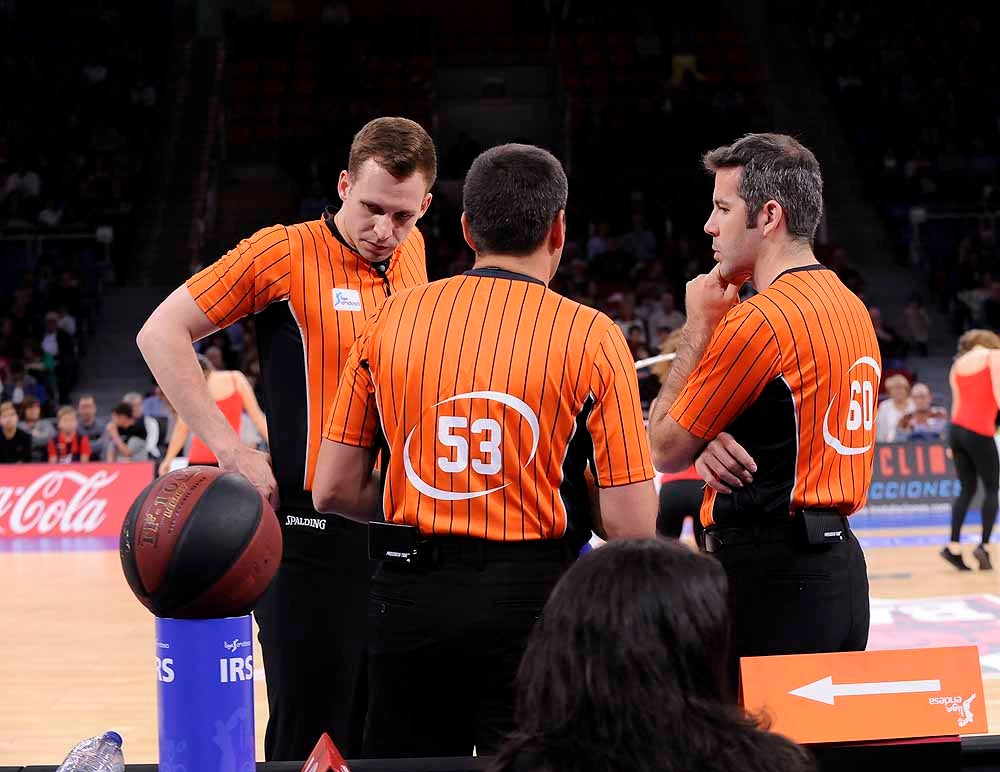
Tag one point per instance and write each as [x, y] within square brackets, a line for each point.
[725, 465]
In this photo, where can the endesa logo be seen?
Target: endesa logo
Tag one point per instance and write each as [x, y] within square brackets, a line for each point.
[347, 300]
[469, 448]
[957, 705]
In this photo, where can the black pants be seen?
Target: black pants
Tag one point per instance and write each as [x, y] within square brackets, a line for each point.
[680, 499]
[446, 641]
[789, 598]
[975, 458]
[313, 625]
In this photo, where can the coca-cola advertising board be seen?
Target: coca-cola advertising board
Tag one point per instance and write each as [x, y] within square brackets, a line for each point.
[68, 500]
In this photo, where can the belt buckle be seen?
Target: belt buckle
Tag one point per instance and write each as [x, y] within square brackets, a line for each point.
[733, 536]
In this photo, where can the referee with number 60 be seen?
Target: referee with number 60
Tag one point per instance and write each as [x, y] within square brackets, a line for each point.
[495, 395]
[773, 400]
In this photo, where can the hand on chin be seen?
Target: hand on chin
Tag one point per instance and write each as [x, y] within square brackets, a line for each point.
[732, 275]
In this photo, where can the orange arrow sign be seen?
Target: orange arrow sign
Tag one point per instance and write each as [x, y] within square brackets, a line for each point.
[868, 695]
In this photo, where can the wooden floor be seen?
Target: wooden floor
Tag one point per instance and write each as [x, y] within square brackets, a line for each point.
[77, 653]
[77, 659]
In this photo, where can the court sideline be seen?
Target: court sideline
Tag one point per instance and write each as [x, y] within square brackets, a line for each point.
[80, 659]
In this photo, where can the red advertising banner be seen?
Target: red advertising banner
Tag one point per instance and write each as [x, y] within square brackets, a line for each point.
[915, 472]
[68, 500]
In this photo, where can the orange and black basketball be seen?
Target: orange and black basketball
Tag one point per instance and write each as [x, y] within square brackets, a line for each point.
[200, 543]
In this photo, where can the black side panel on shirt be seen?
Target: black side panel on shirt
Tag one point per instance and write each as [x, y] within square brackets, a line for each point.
[766, 429]
[573, 490]
[283, 378]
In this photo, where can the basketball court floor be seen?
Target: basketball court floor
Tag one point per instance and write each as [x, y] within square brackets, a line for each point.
[77, 653]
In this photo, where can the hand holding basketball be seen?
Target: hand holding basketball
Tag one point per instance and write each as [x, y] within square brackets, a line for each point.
[256, 467]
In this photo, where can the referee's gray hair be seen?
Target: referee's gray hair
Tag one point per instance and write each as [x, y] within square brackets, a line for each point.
[778, 167]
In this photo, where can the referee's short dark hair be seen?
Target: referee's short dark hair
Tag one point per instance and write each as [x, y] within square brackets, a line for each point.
[511, 197]
[400, 146]
[778, 167]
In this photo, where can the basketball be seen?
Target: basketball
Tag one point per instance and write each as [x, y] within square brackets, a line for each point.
[200, 543]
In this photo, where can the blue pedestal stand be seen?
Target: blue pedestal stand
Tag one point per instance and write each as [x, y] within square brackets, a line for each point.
[204, 671]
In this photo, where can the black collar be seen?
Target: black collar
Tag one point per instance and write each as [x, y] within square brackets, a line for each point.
[328, 214]
[500, 273]
[816, 267]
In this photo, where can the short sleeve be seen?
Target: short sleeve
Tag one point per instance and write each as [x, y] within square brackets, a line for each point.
[741, 359]
[353, 418]
[245, 280]
[621, 449]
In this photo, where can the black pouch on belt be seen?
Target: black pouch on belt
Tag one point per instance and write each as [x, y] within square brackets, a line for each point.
[822, 526]
[393, 542]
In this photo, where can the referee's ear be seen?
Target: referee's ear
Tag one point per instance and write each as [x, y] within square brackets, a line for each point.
[557, 233]
[556, 241]
[468, 234]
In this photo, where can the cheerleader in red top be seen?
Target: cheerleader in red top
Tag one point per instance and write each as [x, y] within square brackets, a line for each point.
[233, 394]
[975, 394]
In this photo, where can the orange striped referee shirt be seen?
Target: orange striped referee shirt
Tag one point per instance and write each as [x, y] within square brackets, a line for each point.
[793, 375]
[312, 295]
[494, 394]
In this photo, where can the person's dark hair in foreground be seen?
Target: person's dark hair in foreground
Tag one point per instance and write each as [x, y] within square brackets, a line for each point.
[627, 671]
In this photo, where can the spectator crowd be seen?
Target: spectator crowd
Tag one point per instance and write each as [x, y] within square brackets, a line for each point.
[634, 243]
[81, 94]
[933, 148]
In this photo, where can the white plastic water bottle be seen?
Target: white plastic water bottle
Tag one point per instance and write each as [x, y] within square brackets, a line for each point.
[96, 754]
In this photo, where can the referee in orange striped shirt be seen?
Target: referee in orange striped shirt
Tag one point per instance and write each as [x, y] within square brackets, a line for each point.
[782, 390]
[495, 396]
[311, 286]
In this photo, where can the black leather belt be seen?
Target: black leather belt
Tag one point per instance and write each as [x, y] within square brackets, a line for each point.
[456, 550]
[790, 531]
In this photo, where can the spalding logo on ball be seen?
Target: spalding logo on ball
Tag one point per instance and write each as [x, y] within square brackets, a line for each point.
[200, 543]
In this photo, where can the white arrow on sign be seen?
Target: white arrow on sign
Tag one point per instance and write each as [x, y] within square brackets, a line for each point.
[824, 690]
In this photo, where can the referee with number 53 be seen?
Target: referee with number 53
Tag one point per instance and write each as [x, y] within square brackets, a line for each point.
[495, 395]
